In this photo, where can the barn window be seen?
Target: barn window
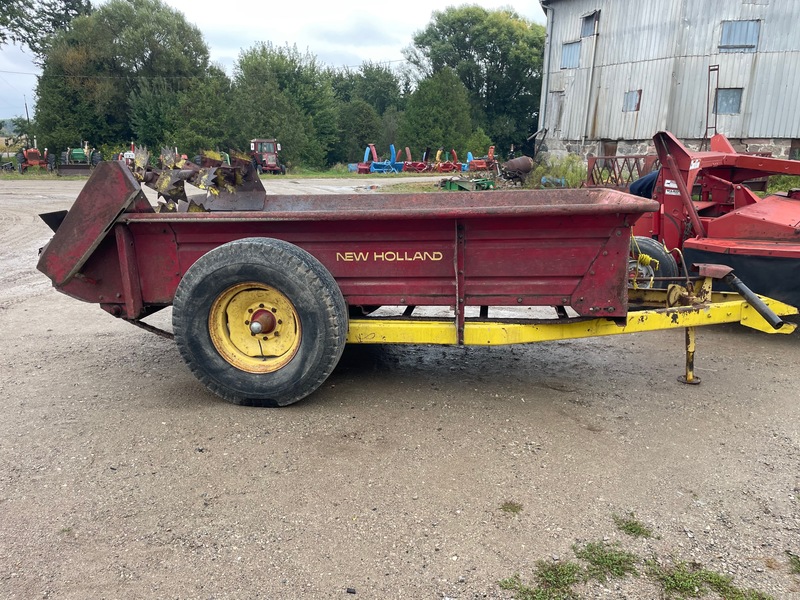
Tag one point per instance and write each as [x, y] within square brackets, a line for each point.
[571, 55]
[728, 101]
[631, 101]
[739, 36]
[588, 24]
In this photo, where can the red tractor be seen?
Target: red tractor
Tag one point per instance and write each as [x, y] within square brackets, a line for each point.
[264, 154]
[31, 157]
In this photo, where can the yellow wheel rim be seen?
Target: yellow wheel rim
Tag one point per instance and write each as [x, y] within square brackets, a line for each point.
[254, 327]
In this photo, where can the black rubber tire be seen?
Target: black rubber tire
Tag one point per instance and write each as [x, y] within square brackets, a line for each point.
[309, 286]
[20, 160]
[667, 266]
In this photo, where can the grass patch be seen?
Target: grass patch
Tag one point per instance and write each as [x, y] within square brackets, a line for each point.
[511, 507]
[554, 581]
[606, 561]
[794, 563]
[680, 580]
[632, 527]
[33, 173]
[558, 575]
[337, 171]
[411, 187]
[684, 580]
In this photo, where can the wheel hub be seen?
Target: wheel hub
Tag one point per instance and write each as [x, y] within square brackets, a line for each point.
[638, 272]
[263, 321]
[254, 327]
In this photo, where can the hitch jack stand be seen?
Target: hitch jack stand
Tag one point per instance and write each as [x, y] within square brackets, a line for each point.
[689, 377]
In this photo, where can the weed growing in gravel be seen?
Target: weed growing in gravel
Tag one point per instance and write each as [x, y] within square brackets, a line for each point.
[794, 563]
[606, 561]
[554, 581]
[683, 580]
[680, 580]
[511, 507]
[632, 527]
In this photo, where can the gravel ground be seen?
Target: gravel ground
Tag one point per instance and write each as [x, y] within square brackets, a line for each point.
[122, 477]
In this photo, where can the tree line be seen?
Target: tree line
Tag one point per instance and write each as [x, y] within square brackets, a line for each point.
[138, 71]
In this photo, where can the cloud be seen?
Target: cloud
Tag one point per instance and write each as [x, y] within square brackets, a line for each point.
[360, 33]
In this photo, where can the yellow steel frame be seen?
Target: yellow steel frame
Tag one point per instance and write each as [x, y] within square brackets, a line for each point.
[723, 308]
[689, 307]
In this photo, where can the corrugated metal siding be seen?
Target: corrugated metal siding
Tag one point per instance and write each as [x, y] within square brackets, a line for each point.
[664, 48]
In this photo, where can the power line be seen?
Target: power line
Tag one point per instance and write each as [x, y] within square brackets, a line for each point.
[18, 72]
[380, 62]
[105, 76]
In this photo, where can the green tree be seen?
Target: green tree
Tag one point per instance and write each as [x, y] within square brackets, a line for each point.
[343, 82]
[23, 129]
[379, 86]
[478, 143]
[33, 23]
[498, 57]
[10, 21]
[279, 92]
[359, 125]
[120, 53]
[390, 128]
[437, 113]
[260, 109]
[153, 114]
[203, 110]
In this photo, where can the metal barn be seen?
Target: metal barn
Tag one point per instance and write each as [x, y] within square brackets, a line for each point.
[617, 71]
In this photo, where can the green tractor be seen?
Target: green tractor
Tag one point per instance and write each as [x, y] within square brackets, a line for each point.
[79, 160]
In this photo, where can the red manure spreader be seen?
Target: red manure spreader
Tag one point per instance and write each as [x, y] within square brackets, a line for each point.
[266, 290]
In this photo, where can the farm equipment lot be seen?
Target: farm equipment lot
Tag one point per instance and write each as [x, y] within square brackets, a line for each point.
[123, 477]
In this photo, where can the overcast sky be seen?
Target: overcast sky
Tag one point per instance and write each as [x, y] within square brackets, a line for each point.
[339, 32]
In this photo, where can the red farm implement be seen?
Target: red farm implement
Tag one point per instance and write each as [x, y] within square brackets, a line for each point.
[485, 163]
[443, 163]
[710, 213]
[370, 156]
[417, 166]
[266, 290]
